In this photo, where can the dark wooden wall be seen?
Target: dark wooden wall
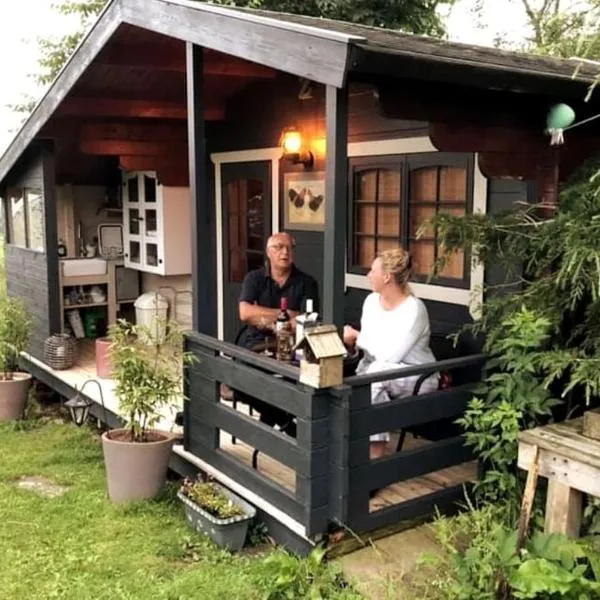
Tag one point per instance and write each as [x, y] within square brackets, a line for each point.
[27, 272]
[255, 119]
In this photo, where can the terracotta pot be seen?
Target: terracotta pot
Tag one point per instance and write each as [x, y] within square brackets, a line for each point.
[135, 470]
[13, 396]
[103, 362]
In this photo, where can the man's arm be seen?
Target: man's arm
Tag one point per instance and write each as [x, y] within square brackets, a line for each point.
[253, 313]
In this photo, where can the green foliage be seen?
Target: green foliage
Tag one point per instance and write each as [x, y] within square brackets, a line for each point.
[481, 560]
[510, 399]
[542, 323]
[209, 497]
[291, 578]
[149, 377]
[415, 16]
[15, 324]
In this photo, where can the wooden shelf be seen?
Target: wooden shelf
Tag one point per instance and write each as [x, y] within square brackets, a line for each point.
[93, 305]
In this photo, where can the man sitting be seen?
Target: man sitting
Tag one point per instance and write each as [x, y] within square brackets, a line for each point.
[259, 303]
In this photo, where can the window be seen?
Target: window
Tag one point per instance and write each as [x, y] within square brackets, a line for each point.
[25, 222]
[392, 197]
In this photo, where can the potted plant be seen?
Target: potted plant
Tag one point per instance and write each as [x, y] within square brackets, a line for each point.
[14, 337]
[148, 371]
[216, 511]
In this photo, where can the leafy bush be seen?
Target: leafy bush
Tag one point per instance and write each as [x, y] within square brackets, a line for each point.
[149, 377]
[14, 333]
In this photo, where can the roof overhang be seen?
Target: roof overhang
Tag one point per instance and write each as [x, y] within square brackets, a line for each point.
[305, 51]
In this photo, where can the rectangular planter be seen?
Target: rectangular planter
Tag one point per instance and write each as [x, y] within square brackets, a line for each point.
[226, 533]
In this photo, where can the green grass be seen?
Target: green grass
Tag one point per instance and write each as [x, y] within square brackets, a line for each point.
[81, 546]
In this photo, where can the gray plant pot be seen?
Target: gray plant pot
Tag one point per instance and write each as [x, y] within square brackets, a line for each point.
[226, 533]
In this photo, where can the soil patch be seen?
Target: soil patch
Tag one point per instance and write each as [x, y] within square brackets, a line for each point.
[125, 436]
[42, 486]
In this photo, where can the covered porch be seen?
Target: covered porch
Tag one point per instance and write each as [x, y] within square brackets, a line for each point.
[180, 99]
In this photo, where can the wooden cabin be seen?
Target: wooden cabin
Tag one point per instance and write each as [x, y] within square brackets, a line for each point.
[167, 124]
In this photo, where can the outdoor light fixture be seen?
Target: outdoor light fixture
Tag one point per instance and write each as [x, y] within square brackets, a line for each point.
[79, 406]
[291, 144]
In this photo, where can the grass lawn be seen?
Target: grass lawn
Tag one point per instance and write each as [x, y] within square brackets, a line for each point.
[79, 545]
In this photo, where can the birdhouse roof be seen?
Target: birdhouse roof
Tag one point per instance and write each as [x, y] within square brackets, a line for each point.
[324, 342]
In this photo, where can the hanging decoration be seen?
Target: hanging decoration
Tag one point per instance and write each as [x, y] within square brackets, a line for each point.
[560, 117]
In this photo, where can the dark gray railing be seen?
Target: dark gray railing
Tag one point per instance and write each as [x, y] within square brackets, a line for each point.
[330, 455]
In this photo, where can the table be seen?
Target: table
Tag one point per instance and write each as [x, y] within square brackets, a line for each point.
[571, 462]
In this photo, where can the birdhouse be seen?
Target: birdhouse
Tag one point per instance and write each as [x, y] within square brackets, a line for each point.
[322, 364]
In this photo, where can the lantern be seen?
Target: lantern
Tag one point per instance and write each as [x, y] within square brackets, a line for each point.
[560, 116]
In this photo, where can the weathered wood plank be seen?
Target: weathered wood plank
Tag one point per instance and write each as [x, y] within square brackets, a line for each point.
[566, 470]
[563, 509]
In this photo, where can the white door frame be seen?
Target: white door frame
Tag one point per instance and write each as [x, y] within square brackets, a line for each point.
[219, 159]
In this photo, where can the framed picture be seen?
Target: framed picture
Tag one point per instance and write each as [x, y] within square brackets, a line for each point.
[304, 200]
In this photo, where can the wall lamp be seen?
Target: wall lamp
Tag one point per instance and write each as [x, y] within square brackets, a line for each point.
[293, 150]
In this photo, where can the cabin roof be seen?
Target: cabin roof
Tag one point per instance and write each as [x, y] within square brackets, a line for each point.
[320, 50]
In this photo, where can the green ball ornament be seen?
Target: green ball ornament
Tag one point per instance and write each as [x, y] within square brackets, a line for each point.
[560, 116]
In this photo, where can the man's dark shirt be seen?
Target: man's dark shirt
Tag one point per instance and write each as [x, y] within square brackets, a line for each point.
[259, 288]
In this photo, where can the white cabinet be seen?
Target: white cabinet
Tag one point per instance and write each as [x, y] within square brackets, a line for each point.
[156, 225]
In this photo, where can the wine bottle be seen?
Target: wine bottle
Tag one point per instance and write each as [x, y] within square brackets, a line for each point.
[283, 333]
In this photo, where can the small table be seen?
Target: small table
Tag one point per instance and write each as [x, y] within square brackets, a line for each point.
[571, 462]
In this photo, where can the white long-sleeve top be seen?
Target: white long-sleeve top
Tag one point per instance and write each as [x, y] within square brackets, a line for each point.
[397, 336]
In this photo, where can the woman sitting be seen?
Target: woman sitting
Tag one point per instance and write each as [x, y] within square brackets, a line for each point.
[394, 333]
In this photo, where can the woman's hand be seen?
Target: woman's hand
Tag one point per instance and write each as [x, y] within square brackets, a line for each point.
[350, 336]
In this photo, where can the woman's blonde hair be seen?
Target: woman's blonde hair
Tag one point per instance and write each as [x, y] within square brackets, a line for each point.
[398, 263]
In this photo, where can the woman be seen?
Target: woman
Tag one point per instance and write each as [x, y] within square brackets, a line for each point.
[394, 333]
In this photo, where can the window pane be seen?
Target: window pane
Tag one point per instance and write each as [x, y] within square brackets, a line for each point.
[453, 184]
[35, 219]
[365, 219]
[388, 220]
[423, 185]
[455, 267]
[389, 185]
[364, 251]
[385, 244]
[419, 215]
[149, 189]
[132, 189]
[423, 255]
[366, 186]
[17, 218]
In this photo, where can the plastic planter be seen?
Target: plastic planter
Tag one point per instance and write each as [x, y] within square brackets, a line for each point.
[226, 533]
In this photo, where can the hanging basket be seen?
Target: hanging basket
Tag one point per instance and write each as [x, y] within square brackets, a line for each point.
[59, 351]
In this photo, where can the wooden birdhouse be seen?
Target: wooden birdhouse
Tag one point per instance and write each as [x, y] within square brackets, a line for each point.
[322, 364]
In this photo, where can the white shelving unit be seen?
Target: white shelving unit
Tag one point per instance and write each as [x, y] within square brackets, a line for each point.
[156, 225]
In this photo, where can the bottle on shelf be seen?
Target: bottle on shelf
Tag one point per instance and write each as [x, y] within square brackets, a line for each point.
[283, 333]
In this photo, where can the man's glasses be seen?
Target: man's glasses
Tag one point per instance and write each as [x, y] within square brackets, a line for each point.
[281, 247]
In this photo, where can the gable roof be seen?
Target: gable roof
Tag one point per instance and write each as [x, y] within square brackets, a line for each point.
[320, 50]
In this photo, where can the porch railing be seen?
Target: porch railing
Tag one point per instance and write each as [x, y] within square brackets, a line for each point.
[330, 455]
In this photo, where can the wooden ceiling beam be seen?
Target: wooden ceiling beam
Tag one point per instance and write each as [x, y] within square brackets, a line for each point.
[153, 163]
[171, 57]
[129, 147]
[128, 130]
[118, 107]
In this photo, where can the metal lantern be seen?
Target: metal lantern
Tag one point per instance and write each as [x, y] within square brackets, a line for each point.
[79, 405]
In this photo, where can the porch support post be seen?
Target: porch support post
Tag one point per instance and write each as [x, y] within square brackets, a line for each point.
[336, 205]
[204, 308]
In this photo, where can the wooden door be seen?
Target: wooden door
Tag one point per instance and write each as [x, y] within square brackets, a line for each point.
[247, 201]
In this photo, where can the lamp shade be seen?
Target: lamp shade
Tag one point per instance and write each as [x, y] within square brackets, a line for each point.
[79, 407]
[291, 141]
[560, 116]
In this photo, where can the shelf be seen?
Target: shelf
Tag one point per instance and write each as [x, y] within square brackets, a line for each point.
[76, 306]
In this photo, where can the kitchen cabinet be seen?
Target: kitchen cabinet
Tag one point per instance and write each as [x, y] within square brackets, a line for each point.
[156, 225]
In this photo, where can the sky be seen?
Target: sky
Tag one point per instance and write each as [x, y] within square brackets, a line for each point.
[30, 19]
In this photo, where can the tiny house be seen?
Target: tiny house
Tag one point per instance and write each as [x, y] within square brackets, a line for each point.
[180, 135]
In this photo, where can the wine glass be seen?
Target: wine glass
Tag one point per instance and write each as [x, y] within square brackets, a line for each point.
[265, 326]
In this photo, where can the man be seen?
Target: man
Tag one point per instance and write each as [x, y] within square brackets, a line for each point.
[263, 289]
